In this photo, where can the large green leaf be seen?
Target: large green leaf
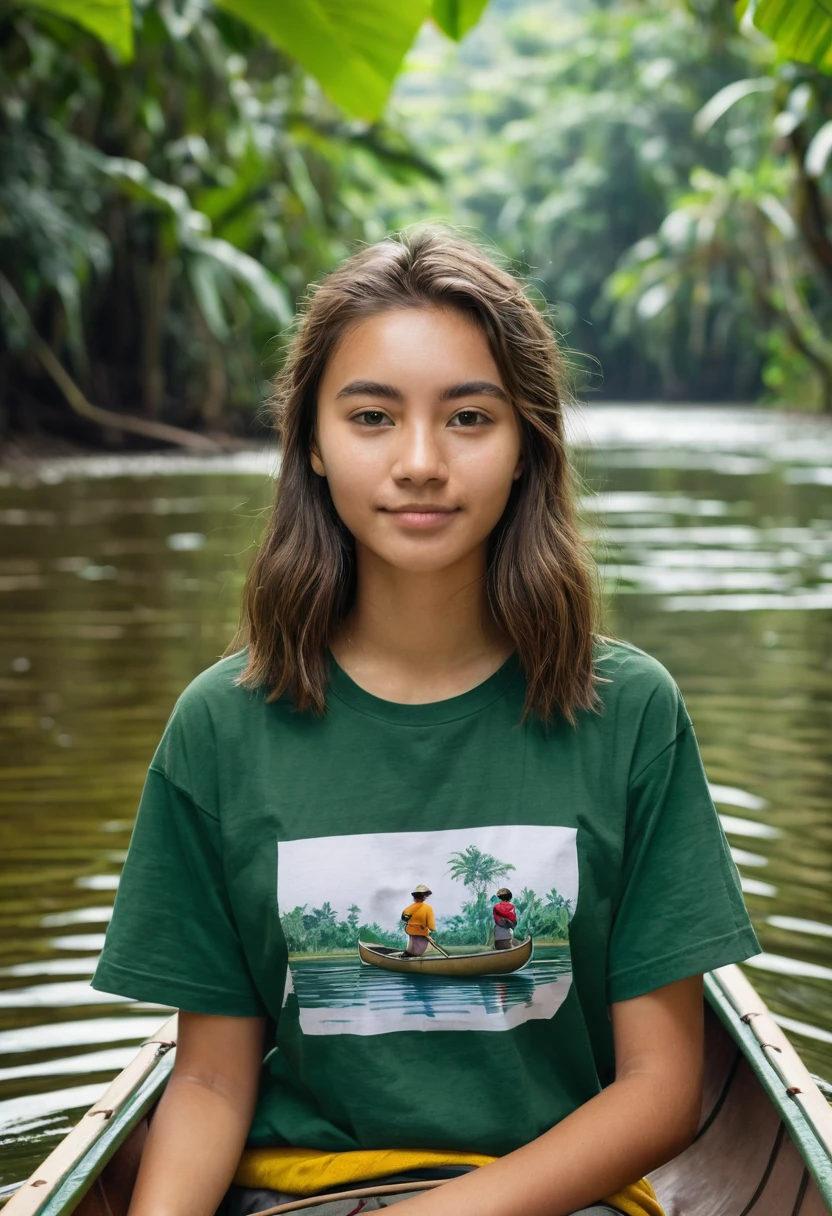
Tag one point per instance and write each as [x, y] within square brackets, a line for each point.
[353, 49]
[457, 17]
[802, 29]
[270, 294]
[109, 20]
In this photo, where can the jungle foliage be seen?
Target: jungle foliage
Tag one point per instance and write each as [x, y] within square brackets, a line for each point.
[172, 185]
[160, 216]
[664, 176]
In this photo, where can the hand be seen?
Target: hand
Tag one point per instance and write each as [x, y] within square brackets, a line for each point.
[600, 1147]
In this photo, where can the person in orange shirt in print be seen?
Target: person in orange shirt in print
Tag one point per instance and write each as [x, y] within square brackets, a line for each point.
[418, 922]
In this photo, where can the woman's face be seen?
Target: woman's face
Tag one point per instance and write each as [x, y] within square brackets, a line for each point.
[417, 437]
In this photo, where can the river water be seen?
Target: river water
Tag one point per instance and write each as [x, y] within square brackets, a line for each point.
[346, 996]
[120, 580]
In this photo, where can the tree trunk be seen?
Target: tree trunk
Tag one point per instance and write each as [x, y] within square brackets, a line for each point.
[809, 209]
[156, 299]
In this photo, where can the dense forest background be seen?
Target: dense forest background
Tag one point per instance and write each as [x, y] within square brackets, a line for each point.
[661, 172]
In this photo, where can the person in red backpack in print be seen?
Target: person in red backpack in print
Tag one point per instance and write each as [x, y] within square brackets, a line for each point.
[505, 920]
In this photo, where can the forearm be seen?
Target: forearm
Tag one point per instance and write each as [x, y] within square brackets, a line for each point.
[195, 1141]
[617, 1137]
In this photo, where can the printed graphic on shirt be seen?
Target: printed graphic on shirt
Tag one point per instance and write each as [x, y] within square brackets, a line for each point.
[465, 929]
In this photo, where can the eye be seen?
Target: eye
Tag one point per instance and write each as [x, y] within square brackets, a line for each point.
[469, 418]
[372, 418]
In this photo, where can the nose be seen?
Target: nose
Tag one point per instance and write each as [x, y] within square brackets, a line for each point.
[419, 456]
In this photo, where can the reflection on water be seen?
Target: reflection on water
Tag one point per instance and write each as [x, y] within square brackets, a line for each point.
[343, 995]
[119, 581]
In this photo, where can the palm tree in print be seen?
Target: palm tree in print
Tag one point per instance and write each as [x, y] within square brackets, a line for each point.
[481, 872]
[477, 870]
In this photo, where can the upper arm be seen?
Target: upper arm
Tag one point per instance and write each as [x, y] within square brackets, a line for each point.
[221, 1053]
[661, 1033]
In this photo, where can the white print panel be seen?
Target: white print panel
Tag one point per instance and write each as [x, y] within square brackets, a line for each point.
[334, 890]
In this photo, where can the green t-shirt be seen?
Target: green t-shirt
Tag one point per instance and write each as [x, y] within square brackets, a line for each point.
[268, 837]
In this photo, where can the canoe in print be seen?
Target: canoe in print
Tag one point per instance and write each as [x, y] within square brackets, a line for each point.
[463, 966]
[764, 1145]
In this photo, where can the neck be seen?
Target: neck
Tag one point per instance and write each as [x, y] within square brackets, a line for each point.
[409, 631]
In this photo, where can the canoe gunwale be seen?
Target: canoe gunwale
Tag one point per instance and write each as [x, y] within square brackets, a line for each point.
[778, 1067]
[63, 1178]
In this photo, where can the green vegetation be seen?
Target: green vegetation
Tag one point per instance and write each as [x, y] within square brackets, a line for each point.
[664, 176]
[320, 931]
[158, 219]
[477, 870]
[546, 918]
[802, 29]
[177, 173]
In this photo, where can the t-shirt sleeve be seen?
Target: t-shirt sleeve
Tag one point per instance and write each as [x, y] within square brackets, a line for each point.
[681, 911]
[172, 939]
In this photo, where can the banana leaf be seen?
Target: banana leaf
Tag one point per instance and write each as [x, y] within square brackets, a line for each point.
[354, 50]
[802, 29]
[109, 20]
[457, 17]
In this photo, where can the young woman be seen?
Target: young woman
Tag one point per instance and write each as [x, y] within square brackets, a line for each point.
[423, 695]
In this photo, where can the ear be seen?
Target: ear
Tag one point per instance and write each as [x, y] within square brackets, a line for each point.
[315, 458]
[518, 468]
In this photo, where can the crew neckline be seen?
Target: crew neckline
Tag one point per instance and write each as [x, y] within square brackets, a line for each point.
[425, 713]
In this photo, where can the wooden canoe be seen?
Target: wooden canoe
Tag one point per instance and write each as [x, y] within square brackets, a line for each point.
[764, 1145]
[483, 962]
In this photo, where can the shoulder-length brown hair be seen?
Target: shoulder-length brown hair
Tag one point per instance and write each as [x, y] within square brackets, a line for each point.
[542, 581]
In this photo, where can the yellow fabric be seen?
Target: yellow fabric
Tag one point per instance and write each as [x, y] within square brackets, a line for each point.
[421, 919]
[637, 1199]
[307, 1171]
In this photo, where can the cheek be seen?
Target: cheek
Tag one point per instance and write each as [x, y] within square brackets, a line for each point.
[487, 478]
[353, 479]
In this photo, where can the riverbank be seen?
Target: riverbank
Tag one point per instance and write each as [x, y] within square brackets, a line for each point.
[21, 452]
[595, 421]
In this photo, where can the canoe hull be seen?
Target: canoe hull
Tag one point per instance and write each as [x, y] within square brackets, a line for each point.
[764, 1142]
[462, 966]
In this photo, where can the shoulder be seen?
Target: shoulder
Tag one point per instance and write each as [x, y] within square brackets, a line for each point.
[624, 662]
[215, 690]
[642, 704]
[626, 672]
[210, 711]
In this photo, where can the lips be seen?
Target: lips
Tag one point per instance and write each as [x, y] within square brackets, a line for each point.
[421, 515]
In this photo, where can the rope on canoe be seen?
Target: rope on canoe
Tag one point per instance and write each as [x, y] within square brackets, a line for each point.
[772, 1157]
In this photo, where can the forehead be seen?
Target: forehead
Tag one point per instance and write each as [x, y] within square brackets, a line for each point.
[430, 345]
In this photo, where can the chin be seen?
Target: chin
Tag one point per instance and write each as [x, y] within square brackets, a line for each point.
[419, 563]
[422, 558]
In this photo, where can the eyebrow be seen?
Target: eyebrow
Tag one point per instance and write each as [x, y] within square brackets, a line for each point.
[469, 388]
